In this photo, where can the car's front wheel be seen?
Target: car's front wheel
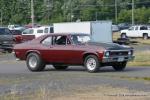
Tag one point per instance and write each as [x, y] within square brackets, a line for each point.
[123, 35]
[34, 62]
[91, 63]
[60, 67]
[120, 66]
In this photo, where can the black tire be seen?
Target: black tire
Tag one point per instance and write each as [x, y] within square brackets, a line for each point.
[92, 66]
[60, 67]
[34, 62]
[120, 66]
[123, 35]
[145, 36]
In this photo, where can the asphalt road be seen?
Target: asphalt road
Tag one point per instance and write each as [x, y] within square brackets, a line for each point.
[14, 74]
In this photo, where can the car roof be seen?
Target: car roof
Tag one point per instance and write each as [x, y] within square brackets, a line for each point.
[69, 33]
[56, 34]
[139, 25]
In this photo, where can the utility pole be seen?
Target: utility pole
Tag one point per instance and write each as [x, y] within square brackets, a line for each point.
[96, 15]
[132, 12]
[1, 18]
[32, 13]
[116, 12]
[71, 11]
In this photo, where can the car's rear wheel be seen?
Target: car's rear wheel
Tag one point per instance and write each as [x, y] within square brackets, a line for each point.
[34, 62]
[91, 63]
[60, 67]
[120, 66]
[145, 36]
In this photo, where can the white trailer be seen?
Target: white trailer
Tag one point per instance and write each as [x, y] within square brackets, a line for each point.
[99, 30]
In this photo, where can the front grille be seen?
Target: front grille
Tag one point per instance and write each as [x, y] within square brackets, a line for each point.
[118, 53]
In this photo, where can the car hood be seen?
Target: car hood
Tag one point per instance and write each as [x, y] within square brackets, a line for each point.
[124, 30]
[110, 46]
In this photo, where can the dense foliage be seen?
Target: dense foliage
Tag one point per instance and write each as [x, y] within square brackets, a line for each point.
[49, 11]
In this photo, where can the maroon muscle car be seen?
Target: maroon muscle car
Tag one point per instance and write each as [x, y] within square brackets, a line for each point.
[62, 50]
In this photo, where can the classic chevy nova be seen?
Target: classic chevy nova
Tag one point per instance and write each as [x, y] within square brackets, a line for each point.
[62, 50]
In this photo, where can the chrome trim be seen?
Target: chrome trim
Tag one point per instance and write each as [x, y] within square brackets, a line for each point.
[118, 50]
[115, 59]
[132, 50]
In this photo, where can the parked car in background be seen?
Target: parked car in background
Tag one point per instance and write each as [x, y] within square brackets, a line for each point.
[6, 39]
[28, 34]
[43, 30]
[123, 26]
[32, 33]
[63, 50]
[115, 28]
[16, 27]
[17, 34]
[136, 31]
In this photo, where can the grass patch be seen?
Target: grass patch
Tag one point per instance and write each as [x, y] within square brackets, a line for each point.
[136, 78]
[142, 58]
[81, 93]
[116, 35]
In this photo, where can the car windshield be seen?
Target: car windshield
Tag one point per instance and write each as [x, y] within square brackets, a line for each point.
[4, 31]
[16, 32]
[79, 39]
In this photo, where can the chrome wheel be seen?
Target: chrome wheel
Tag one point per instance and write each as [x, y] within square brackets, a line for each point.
[33, 62]
[91, 64]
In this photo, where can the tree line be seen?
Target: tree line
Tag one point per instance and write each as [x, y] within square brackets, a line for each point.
[50, 11]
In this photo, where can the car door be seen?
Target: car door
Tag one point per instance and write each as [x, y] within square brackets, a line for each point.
[131, 32]
[61, 49]
[56, 49]
[6, 37]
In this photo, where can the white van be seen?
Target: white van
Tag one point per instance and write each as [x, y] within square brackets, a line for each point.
[32, 33]
[43, 30]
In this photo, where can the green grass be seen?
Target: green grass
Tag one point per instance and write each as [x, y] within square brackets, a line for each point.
[142, 58]
[80, 93]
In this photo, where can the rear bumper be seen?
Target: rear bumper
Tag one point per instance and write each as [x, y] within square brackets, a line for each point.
[117, 59]
[15, 56]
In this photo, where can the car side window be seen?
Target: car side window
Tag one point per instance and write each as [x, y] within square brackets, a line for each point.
[31, 31]
[51, 30]
[143, 28]
[5, 31]
[59, 40]
[136, 28]
[28, 31]
[39, 31]
[131, 28]
[47, 41]
[46, 30]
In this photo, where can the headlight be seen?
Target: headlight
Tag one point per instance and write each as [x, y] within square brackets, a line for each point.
[107, 53]
[130, 52]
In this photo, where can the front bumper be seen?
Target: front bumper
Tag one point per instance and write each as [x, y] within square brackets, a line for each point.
[117, 59]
